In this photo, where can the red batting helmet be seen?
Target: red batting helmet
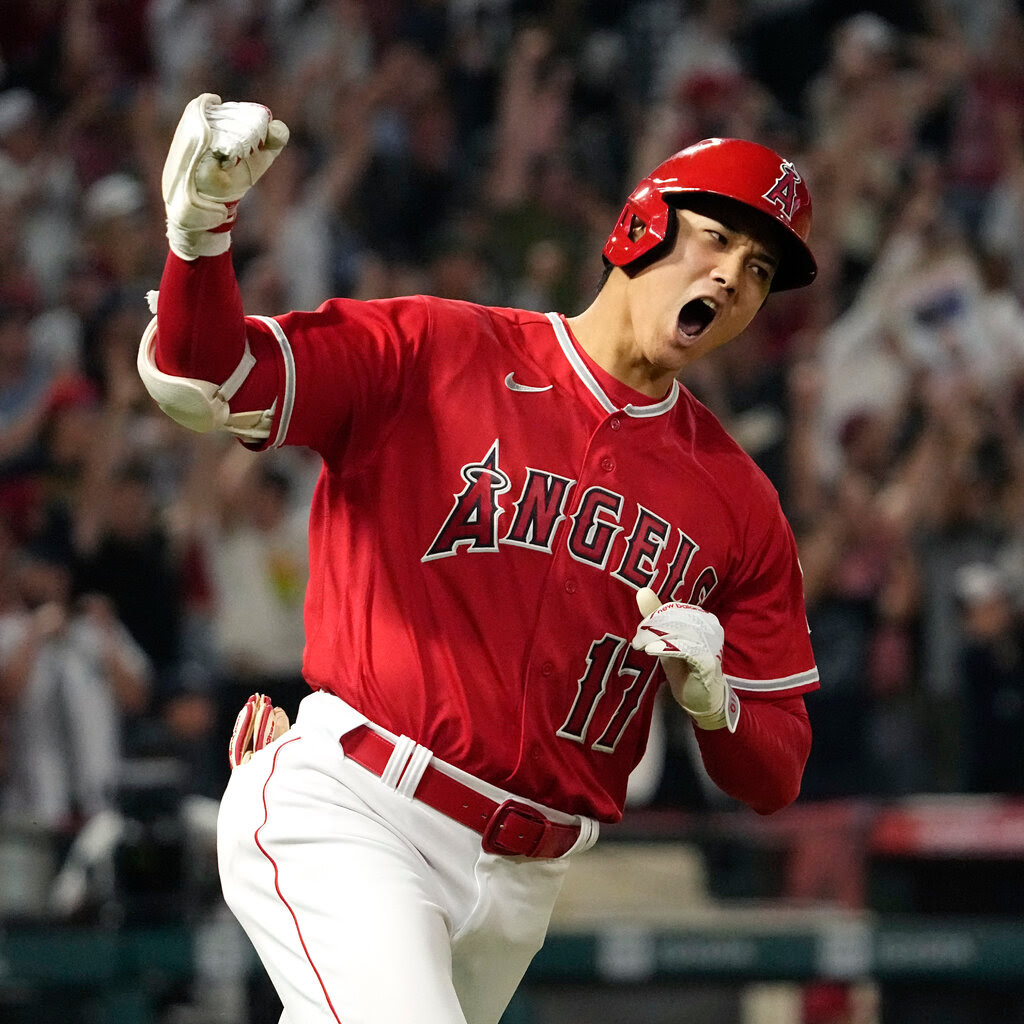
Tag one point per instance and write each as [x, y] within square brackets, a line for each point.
[742, 171]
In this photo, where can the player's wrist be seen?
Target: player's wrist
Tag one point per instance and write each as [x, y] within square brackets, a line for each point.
[723, 712]
[191, 244]
[703, 692]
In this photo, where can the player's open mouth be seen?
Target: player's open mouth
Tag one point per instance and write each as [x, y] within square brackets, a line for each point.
[696, 316]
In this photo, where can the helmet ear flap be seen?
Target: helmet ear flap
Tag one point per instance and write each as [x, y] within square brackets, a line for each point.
[660, 239]
[644, 231]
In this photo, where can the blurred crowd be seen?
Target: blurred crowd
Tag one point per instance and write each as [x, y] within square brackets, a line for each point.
[150, 579]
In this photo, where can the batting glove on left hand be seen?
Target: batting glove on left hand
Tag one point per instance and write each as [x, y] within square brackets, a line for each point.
[689, 642]
[219, 151]
[258, 724]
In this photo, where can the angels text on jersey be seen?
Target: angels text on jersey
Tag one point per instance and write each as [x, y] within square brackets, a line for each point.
[656, 554]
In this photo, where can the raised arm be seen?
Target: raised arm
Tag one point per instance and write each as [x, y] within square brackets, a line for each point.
[195, 358]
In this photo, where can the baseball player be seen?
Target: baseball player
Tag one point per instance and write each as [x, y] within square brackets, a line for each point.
[523, 526]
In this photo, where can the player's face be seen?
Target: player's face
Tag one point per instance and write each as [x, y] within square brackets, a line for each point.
[704, 292]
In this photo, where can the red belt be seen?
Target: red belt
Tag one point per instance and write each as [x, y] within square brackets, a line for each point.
[511, 828]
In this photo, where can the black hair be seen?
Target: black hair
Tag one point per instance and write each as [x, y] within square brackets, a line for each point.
[605, 274]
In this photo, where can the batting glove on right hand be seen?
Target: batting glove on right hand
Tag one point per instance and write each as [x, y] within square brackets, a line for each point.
[219, 151]
[257, 725]
[689, 642]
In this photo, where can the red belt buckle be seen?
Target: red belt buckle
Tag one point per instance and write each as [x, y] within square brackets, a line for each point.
[515, 829]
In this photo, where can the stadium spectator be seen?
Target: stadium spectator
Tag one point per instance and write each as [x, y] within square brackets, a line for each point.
[992, 668]
[70, 677]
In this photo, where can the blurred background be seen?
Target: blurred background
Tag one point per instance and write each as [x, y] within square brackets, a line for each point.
[151, 579]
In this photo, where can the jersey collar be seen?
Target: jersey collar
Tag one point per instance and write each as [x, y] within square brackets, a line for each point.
[578, 362]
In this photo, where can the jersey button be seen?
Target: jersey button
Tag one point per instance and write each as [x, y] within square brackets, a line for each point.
[607, 463]
[615, 423]
[570, 586]
[547, 668]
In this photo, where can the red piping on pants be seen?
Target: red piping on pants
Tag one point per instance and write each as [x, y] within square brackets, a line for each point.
[277, 886]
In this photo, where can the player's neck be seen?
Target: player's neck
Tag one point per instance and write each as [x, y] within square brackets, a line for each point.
[604, 331]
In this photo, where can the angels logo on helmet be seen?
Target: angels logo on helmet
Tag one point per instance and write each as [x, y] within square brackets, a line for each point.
[784, 192]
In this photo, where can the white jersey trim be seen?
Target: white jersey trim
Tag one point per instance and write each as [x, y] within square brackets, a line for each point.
[590, 381]
[771, 685]
[288, 401]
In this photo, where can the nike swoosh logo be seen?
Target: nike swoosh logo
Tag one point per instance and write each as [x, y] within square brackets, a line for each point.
[513, 385]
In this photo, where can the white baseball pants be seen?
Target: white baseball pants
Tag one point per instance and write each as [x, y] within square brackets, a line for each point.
[365, 905]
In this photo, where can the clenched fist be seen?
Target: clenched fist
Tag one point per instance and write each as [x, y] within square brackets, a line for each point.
[219, 151]
[689, 642]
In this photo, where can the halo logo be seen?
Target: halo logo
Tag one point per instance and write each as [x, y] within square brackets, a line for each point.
[784, 192]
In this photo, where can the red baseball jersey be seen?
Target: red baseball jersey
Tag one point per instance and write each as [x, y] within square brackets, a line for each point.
[489, 504]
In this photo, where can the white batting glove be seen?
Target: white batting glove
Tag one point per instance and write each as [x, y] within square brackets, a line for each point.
[219, 151]
[689, 642]
[257, 725]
